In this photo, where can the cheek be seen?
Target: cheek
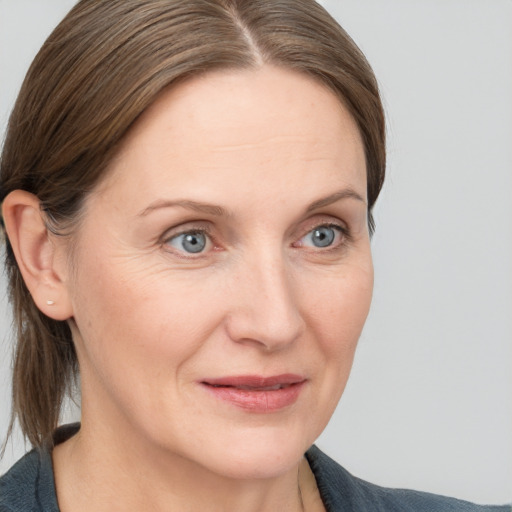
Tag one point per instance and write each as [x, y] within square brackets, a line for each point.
[339, 303]
[138, 332]
[337, 313]
[139, 317]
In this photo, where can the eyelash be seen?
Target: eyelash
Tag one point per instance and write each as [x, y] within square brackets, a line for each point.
[191, 231]
[343, 231]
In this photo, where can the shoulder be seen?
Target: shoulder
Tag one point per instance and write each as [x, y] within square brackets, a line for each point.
[29, 485]
[342, 491]
[18, 485]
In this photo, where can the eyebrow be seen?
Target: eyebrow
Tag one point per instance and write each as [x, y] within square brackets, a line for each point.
[333, 198]
[219, 211]
[210, 209]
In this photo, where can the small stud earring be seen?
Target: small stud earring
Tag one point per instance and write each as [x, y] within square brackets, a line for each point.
[50, 302]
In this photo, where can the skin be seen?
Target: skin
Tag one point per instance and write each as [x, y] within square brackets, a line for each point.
[151, 321]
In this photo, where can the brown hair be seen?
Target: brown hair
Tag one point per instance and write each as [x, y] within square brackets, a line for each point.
[103, 65]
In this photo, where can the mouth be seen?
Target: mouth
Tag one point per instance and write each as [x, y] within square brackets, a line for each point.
[252, 388]
[257, 394]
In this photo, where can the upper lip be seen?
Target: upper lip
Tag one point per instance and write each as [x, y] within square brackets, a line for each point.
[256, 382]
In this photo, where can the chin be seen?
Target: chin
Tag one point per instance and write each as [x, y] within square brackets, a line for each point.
[257, 462]
[258, 454]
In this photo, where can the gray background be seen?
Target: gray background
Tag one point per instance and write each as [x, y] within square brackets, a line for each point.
[429, 403]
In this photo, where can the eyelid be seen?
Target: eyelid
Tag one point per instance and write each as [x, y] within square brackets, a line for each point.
[330, 223]
[185, 229]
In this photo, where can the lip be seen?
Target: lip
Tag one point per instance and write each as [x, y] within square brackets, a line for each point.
[255, 393]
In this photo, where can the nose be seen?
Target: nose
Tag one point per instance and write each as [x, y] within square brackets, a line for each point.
[265, 305]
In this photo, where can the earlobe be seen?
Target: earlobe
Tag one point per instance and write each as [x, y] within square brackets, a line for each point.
[35, 253]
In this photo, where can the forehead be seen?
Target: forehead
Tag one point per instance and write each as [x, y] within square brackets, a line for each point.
[244, 126]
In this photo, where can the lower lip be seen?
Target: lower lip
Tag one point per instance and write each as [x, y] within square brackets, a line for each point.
[258, 401]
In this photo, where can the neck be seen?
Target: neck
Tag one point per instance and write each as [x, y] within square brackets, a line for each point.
[96, 470]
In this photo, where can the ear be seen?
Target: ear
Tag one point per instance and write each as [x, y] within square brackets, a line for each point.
[40, 258]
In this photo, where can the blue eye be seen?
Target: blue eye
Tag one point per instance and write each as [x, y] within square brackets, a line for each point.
[192, 242]
[322, 236]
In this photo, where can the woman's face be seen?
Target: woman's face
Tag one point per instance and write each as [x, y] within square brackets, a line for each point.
[222, 273]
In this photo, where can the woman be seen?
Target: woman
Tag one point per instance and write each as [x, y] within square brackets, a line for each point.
[187, 192]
